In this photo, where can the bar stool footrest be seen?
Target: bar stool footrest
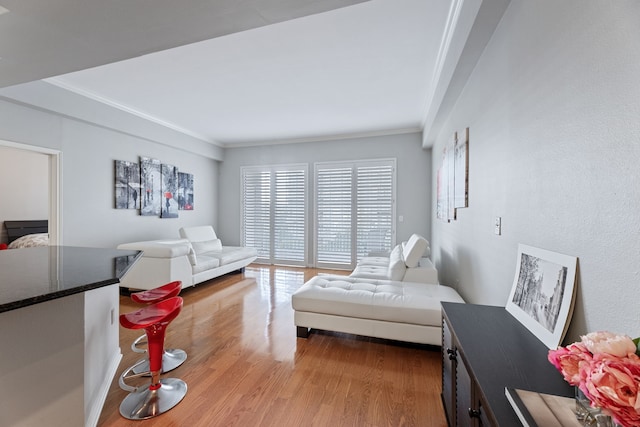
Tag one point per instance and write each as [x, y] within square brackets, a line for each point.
[171, 359]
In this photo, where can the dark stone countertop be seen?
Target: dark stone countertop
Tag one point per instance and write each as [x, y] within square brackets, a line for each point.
[33, 275]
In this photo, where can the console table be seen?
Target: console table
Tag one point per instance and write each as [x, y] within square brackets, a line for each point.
[484, 350]
[59, 327]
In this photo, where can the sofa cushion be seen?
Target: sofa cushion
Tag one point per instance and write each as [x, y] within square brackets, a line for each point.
[380, 261]
[414, 250]
[207, 246]
[204, 263]
[371, 271]
[230, 254]
[397, 266]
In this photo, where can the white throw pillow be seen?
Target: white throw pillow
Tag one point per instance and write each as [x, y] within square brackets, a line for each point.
[397, 265]
[414, 250]
[207, 246]
[192, 256]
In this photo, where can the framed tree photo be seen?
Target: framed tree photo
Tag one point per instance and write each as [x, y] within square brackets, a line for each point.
[543, 293]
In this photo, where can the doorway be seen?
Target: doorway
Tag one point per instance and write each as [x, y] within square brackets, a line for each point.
[52, 160]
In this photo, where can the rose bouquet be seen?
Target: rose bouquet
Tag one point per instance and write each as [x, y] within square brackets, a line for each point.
[606, 368]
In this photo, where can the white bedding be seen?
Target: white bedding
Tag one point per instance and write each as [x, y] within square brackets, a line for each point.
[30, 240]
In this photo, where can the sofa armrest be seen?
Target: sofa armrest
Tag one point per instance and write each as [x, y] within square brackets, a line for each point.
[159, 248]
[425, 272]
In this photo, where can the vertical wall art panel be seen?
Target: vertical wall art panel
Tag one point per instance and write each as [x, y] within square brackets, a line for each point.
[462, 171]
[450, 160]
[127, 185]
[151, 181]
[185, 191]
[169, 191]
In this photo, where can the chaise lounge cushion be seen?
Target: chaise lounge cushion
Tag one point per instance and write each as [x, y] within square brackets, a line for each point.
[400, 302]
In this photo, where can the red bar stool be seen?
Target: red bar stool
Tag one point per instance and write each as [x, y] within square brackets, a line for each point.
[162, 394]
[172, 357]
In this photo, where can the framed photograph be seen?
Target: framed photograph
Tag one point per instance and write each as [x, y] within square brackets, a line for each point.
[543, 293]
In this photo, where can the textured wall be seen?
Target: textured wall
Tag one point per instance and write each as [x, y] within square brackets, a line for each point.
[553, 107]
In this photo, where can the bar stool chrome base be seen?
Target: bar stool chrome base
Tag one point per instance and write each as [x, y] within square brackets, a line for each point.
[145, 403]
[171, 359]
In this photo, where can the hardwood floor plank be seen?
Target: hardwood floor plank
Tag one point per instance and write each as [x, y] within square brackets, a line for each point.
[245, 366]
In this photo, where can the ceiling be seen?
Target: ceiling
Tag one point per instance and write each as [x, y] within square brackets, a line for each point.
[232, 72]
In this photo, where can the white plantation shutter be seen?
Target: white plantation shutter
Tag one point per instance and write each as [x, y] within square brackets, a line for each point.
[274, 212]
[289, 216]
[256, 211]
[333, 215]
[374, 208]
[355, 208]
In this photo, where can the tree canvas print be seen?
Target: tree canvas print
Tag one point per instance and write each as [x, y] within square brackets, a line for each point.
[543, 293]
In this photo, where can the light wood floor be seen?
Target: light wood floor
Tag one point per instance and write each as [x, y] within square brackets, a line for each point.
[246, 367]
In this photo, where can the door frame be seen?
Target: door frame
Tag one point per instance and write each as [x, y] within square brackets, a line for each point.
[55, 189]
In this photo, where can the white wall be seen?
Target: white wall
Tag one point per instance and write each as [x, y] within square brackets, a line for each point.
[88, 154]
[552, 107]
[24, 186]
[413, 175]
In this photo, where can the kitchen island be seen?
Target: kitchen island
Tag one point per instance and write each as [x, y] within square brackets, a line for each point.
[59, 333]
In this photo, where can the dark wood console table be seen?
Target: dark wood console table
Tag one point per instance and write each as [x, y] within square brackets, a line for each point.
[484, 350]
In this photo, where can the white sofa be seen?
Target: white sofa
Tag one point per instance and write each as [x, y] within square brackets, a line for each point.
[198, 256]
[396, 310]
[394, 296]
[407, 262]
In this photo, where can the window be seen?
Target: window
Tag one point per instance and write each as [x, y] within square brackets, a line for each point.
[354, 212]
[274, 213]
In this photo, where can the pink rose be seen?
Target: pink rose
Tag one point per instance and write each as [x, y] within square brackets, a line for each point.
[612, 384]
[607, 342]
[567, 360]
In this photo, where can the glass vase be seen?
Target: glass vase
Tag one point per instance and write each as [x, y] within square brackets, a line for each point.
[589, 415]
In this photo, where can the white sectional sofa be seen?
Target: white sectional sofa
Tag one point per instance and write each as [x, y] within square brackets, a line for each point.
[198, 256]
[396, 310]
[407, 262]
[393, 297]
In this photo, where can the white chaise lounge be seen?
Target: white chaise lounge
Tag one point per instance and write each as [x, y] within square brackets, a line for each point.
[397, 310]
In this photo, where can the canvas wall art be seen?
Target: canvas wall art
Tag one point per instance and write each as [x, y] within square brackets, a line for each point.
[151, 181]
[461, 171]
[127, 185]
[185, 191]
[543, 293]
[156, 189]
[169, 207]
